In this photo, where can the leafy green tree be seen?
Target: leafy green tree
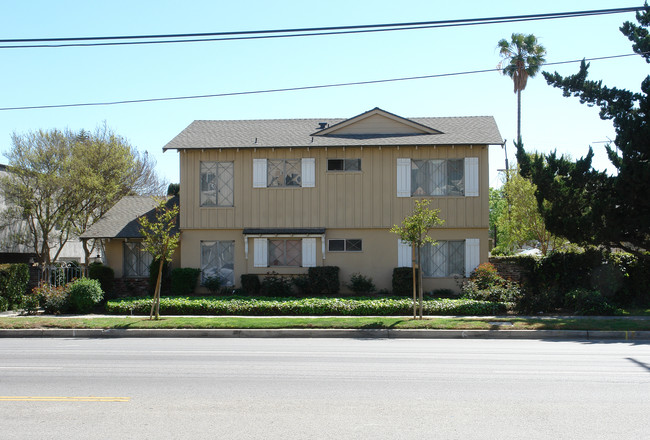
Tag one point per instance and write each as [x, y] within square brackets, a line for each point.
[522, 221]
[521, 58]
[498, 205]
[587, 206]
[61, 182]
[414, 230]
[160, 239]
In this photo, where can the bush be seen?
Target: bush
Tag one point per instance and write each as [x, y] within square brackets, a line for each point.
[588, 302]
[53, 299]
[4, 304]
[30, 303]
[184, 280]
[486, 276]
[302, 284]
[251, 284]
[14, 280]
[213, 284]
[324, 279]
[403, 281]
[84, 294]
[505, 293]
[106, 277]
[360, 284]
[274, 284]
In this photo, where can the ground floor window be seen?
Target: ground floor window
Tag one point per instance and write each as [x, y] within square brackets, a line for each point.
[136, 260]
[218, 260]
[285, 253]
[446, 259]
[340, 245]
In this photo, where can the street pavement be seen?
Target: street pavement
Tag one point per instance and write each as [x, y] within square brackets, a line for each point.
[77, 388]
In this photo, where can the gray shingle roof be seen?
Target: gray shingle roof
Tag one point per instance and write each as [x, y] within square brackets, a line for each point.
[121, 221]
[278, 133]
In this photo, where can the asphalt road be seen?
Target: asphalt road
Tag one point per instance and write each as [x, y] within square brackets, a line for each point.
[323, 389]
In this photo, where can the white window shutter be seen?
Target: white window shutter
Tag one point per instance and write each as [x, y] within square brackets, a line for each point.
[404, 254]
[471, 176]
[261, 254]
[259, 173]
[472, 254]
[403, 177]
[308, 172]
[308, 252]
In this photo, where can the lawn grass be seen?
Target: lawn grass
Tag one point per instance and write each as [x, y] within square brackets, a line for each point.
[366, 322]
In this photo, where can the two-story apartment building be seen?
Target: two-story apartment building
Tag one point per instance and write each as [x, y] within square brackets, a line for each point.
[283, 195]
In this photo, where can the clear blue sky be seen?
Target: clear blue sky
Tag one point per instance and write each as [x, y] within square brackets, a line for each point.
[93, 74]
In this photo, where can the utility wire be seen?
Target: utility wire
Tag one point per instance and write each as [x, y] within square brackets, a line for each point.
[300, 32]
[292, 89]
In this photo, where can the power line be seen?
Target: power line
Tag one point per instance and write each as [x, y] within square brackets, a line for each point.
[290, 89]
[300, 32]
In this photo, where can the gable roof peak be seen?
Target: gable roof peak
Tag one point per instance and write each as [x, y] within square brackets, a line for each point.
[375, 122]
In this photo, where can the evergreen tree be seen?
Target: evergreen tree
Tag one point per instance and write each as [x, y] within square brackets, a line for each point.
[587, 206]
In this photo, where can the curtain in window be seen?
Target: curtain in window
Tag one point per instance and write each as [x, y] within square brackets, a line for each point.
[136, 260]
[208, 184]
[217, 259]
[217, 180]
[437, 177]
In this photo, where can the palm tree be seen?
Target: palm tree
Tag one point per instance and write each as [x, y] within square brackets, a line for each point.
[522, 57]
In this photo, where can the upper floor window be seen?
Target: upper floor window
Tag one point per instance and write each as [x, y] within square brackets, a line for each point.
[343, 164]
[217, 184]
[438, 177]
[284, 173]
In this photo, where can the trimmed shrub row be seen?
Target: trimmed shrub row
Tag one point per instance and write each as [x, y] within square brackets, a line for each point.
[301, 307]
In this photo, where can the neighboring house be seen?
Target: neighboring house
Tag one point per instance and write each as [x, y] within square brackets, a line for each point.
[281, 196]
[121, 240]
[14, 250]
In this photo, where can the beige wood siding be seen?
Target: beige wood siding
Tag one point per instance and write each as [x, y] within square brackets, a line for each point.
[365, 199]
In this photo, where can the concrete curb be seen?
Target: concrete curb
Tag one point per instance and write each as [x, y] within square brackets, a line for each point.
[326, 333]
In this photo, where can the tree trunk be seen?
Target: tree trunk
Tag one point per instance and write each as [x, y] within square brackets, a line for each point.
[415, 281]
[518, 117]
[420, 280]
[155, 305]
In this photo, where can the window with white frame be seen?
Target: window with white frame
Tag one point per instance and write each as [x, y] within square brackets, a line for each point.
[347, 165]
[437, 177]
[136, 260]
[217, 184]
[284, 173]
[217, 260]
[290, 252]
[344, 245]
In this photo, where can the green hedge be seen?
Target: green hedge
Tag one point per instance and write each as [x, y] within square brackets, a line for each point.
[301, 307]
[14, 280]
